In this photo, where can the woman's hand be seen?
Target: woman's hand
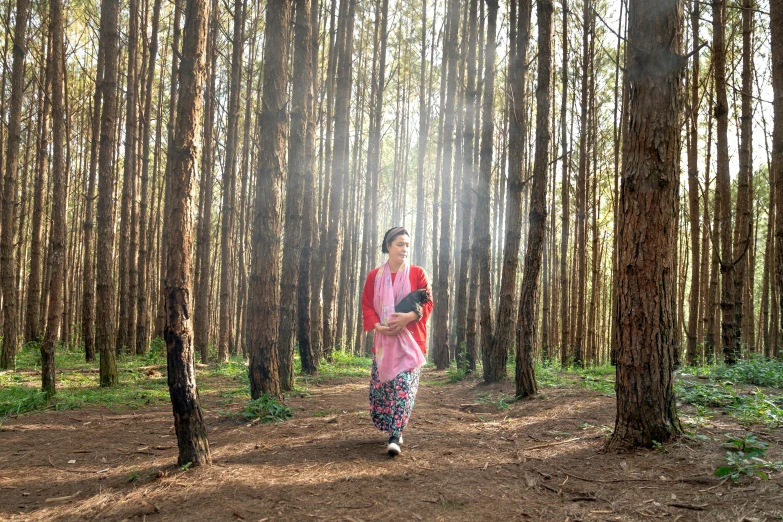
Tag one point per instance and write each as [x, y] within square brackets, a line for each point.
[399, 321]
[383, 330]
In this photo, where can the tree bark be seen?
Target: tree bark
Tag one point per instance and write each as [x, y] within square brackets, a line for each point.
[57, 258]
[466, 359]
[525, 367]
[566, 199]
[229, 185]
[723, 190]
[646, 409]
[206, 193]
[776, 20]
[264, 292]
[127, 256]
[306, 355]
[301, 106]
[145, 243]
[495, 360]
[188, 417]
[104, 288]
[339, 172]
[482, 241]
[693, 193]
[7, 246]
[33, 319]
[441, 352]
[743, 227]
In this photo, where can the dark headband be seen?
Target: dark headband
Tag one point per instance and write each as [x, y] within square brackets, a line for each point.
[394, 232]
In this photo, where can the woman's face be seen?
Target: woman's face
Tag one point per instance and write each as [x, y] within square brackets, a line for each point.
[398, 249]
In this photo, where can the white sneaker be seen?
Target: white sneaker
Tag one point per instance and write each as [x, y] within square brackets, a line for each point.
[400, 439]
[393, 449]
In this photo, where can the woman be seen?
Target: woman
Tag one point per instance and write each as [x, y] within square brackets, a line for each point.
[400, 338]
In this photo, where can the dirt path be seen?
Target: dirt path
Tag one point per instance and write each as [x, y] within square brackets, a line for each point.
[463, 459]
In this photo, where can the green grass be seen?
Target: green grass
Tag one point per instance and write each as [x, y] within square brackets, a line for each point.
[754, 407]
[78, 386]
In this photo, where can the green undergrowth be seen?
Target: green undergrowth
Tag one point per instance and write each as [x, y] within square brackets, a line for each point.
[142, 381]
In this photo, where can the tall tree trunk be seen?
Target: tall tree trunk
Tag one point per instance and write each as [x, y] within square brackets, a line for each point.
[104, 288]
[482, 239]
[306, 355]
[693, 192]
[646, 409]
[525, 368]
[57, 258]
[127, 255]
[743, 241]
[418, 234]
[88, 295]
[339, 172]
[33, 319]
[581, 196]
[173, 88]
[264, 292]
[566, 199]
[7, 245]
[188, 417]
[495, 361]
[297, 159]
[465, 359]
[229, 185]
[441, 345]
[723, 191]
[206, 193]
[776, 20]
[145, 243]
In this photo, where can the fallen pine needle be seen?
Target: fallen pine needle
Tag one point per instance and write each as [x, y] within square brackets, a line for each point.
[58, 499]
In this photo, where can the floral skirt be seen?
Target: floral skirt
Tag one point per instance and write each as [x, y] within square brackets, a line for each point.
[391, 402]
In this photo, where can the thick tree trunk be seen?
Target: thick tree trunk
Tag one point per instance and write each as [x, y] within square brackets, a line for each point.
[264, 292]
[301, 102]
[188, 418]
[57, 258]
[104, 289]
[7, 244]
[646, 410]
[495, 361]
[525, 368]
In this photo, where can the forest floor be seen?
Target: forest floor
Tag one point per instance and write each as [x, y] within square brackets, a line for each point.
[468, 454]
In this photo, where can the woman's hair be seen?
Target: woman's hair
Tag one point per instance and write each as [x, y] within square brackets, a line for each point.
[389, 236]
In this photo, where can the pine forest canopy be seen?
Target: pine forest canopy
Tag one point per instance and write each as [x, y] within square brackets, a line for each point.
[220, 174]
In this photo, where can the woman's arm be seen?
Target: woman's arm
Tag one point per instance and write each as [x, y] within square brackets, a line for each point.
[426, 308]
[369, 317]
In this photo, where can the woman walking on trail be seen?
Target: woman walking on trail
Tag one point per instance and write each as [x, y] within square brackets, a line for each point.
[396, 304]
